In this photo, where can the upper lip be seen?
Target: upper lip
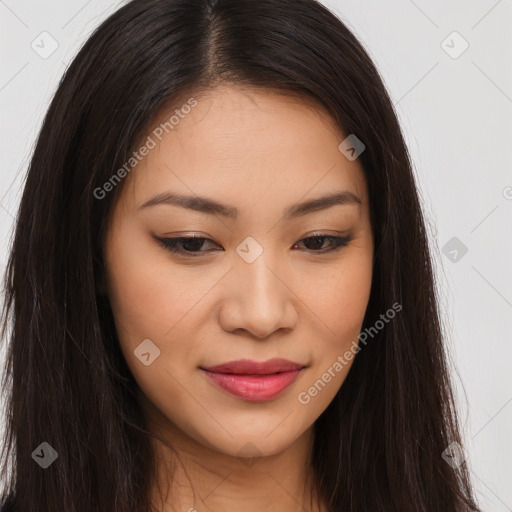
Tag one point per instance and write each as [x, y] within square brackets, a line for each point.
[250, 367]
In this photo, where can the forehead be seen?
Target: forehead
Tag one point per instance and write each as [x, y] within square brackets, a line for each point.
[246, 147]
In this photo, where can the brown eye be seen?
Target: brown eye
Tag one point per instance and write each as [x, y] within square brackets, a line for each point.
[191, 246]
[188, 246]
[316, 243]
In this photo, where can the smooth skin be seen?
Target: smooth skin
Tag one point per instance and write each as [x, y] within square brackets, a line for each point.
[260, 152]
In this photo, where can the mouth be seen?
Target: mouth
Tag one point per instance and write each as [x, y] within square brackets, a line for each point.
[254, 381]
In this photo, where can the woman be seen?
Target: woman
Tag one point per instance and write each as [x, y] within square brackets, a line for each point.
[220, 282]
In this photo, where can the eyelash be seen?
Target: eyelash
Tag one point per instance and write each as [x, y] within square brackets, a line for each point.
[171, 244]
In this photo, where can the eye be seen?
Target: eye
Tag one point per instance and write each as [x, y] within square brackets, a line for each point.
[191, 246]
[336, 242]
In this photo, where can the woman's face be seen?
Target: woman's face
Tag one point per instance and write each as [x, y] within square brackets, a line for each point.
[257, 286]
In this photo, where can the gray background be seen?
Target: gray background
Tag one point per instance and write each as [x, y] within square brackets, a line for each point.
[456, 113]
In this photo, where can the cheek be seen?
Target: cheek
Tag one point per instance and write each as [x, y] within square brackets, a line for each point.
[150, 302]
[340, 303]
[147, 295]
[152, 299]
[351, 300]
[339, 298]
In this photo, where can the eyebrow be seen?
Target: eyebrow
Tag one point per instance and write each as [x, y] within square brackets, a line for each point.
[211, 207]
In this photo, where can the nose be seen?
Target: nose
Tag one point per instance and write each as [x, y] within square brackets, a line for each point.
[258, 300]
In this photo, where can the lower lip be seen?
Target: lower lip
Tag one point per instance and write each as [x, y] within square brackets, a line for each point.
[254, 388]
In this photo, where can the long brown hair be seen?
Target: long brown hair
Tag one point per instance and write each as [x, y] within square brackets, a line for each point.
[379, 444]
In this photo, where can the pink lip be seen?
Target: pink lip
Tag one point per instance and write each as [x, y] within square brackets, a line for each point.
[253, 380]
